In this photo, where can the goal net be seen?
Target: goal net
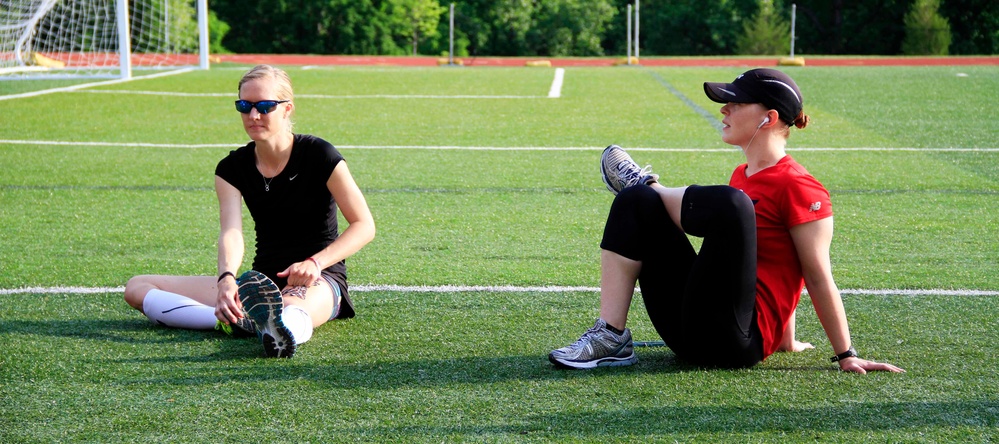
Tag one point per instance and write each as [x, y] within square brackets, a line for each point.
[84, 38]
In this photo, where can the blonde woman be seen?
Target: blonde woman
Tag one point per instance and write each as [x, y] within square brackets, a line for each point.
[293, 186]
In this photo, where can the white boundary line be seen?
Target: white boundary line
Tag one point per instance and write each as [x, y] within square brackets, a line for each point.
[553, 93]
[556, 90]
[498, 289]
[88, 85]
[313, 96]
[478, 148]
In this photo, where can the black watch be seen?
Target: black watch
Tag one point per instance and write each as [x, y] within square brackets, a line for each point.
[849, 353]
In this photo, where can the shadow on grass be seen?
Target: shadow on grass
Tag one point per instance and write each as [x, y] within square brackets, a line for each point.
[716, 422]
[130, 331]
[186, 357]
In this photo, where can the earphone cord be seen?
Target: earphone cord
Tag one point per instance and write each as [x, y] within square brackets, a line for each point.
[751, 139]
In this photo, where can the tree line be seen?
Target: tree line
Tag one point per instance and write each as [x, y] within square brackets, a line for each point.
[550, 28]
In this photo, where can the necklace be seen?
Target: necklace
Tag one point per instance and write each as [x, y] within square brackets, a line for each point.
[267, 182]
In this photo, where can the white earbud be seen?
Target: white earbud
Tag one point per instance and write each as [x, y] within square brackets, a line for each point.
[765, 121]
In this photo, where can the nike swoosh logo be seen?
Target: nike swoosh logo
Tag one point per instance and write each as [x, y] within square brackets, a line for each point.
[292, 177]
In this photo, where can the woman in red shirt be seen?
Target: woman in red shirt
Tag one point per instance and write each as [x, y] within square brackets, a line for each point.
[765, 236]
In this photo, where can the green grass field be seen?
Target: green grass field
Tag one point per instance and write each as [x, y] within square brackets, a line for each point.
[476, 178]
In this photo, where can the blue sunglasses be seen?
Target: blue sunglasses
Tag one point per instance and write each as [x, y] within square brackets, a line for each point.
[263, 106]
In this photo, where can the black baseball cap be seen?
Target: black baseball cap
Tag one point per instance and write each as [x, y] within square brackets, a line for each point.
[770, 87]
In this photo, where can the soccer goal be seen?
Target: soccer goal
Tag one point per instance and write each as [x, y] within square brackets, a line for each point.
[100, 38]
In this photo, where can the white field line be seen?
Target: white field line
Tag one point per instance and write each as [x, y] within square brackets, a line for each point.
[498, 289]
[475, 148]
[314, 96]
[556, 90]
[88, 85]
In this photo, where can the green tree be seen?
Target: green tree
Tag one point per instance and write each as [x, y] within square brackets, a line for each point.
[766, 33]
[217, 29]
[361, 27]
[683, 27]
[486, 27]
[415, 18]
[570, 27]
[181, 25]
[926, 31]
[850, 27]
[974, 26]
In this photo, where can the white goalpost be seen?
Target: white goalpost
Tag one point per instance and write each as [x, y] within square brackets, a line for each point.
[100, 38]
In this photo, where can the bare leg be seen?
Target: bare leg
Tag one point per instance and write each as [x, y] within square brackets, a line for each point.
[672, 199]
[618, 275]
[200, 288]
[318, 301]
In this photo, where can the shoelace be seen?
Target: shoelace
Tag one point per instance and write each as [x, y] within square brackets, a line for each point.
[585, 338]
[630, 176]
[645, 171]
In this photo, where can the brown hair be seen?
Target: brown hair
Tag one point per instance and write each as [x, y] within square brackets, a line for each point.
[802, 120]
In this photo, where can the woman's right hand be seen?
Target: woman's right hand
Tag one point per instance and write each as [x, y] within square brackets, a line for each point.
[227, 308]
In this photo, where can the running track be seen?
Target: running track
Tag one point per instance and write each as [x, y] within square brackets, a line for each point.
[291, 59]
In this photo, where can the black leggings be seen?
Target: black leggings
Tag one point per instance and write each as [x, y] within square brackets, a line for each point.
[702, 304]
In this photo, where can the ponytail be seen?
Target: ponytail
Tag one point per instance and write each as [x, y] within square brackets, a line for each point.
[802, 120]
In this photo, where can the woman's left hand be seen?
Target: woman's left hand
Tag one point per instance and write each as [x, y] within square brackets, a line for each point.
[863, 366]
[303, 273]
[798, 346]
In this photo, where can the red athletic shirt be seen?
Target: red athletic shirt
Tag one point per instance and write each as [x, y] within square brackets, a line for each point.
[784, 195]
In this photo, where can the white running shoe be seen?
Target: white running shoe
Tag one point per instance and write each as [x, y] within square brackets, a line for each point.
[619, 171]
[598, 347]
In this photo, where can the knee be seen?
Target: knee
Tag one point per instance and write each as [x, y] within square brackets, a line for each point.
[716, 209]
[638, 195]
[739, 202]
[135, 291]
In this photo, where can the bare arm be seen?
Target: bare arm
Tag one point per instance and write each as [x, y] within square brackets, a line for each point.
[230, 255]
[788, 343]
[812, 241]
[360, 229]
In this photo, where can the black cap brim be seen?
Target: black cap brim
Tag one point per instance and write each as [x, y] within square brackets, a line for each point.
[727, 93]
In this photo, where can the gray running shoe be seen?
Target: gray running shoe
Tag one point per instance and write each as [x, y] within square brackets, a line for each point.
[619, 171]
[263, 306]
[598, 347]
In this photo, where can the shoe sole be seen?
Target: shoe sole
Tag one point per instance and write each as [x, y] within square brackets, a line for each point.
[584, 365]
[262, 302]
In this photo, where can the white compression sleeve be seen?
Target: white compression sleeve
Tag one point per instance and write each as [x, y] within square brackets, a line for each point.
[174, 310]
[298, 322]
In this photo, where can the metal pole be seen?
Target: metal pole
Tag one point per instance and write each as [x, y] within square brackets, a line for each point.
[628, 39]
[450, 48]
[793, 13]
[124, 42]
[636, 29]
[203, 32]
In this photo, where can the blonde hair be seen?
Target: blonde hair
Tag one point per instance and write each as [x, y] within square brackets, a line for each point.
[281, 80]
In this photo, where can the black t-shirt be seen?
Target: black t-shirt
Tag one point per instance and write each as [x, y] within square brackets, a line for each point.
[294, 214]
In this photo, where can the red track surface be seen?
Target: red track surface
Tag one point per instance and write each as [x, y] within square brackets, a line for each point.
[288, 59]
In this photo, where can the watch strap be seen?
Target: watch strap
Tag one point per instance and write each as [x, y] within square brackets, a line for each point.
[849, 353]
